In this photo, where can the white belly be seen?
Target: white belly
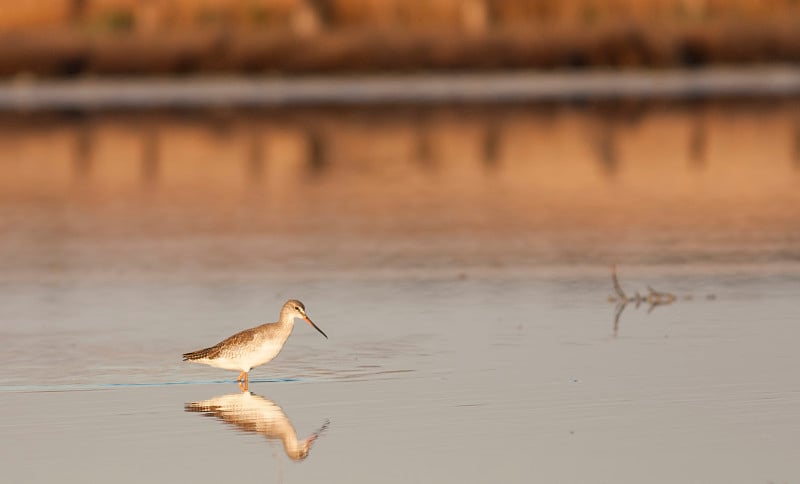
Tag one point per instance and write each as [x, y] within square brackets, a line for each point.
[246, 360]
[265, 354]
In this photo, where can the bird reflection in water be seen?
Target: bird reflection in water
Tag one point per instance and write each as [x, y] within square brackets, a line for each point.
[253, 413]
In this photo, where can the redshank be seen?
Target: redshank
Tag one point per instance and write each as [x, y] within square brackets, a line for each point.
[253, 347]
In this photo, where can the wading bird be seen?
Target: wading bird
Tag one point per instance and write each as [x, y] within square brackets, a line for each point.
[255, 346]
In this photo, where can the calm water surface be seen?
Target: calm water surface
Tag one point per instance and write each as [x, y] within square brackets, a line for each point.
[459, 259]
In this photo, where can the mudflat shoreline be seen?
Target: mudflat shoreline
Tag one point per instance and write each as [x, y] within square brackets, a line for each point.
[199, 92]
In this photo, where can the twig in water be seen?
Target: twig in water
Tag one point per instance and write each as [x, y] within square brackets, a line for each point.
[654, 298]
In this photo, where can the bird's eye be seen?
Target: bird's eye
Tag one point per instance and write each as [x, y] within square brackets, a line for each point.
[296, 308]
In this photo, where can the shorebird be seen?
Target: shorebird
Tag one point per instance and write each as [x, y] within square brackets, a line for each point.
[253, 347]
[253, 413]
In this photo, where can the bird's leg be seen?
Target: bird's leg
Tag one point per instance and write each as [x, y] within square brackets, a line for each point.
[245, 384]
[241, 376]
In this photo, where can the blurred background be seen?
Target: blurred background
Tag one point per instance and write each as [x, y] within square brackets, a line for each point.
[180, 37]
[446, 185]
[381, 129]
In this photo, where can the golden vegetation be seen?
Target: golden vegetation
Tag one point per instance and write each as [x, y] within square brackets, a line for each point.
[65, 37]
[379, 14]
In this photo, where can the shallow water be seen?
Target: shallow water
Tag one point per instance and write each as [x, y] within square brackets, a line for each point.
[459, 259]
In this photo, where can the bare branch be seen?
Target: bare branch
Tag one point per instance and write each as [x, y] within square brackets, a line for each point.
[617, 287]
[653, 298]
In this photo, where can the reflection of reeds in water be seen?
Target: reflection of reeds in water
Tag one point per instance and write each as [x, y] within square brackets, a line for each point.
[796, 154]
[251, 147]
[523, 184]
[252, 413]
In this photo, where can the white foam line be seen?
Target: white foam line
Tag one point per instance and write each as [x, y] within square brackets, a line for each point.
[142, 93]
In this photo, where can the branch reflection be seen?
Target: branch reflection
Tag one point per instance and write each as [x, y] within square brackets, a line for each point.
[653, 299]
[253, 413]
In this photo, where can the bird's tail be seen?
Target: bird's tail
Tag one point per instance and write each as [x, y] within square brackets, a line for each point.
[199, 354]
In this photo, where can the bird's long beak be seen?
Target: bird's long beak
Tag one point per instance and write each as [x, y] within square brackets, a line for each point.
[315, 326]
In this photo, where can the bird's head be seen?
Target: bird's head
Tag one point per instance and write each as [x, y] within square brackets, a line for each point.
[297, 310]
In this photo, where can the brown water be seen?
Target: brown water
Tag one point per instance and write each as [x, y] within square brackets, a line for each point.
[458, 258]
